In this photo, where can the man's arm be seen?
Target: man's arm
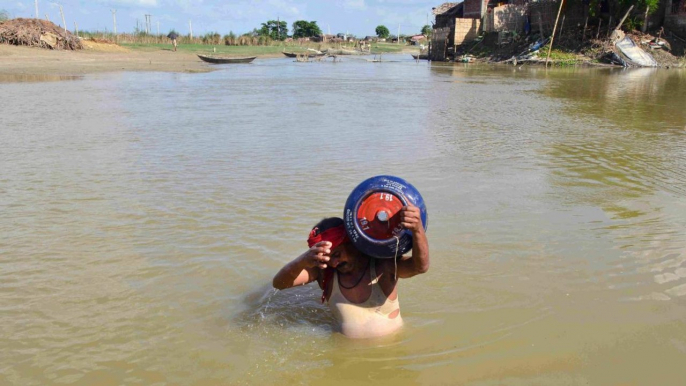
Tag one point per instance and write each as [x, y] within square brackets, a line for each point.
[410, 217]
[305, 268]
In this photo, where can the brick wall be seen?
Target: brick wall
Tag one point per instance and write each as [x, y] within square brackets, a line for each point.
[474, 9]
[466, 30]
[509, 17]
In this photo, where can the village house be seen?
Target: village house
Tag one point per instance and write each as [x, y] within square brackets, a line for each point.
[451, 30]
[458, 23]
[417, 39]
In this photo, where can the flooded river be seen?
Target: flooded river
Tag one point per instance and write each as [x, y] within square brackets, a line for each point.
[144, 215]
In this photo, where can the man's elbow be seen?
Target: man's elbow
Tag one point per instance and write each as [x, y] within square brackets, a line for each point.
[424, 268]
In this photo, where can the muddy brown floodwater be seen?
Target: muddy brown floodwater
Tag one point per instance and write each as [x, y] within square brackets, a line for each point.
[144, 215]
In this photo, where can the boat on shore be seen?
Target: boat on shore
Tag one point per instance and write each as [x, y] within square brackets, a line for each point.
[308, 54]
[340, 51]
[225, 60]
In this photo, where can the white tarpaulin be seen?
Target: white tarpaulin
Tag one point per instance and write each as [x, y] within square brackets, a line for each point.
[635, 54]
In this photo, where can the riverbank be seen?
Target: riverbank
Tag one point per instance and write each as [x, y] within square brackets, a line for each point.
[103, 58]
[568, 50]
[97, 57]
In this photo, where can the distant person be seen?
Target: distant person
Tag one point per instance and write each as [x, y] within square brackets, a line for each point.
[361, 290]
[173, 35]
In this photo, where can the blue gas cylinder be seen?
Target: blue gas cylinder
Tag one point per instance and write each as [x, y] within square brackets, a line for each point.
[372, 217]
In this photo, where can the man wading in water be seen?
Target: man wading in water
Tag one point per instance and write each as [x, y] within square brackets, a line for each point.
[361, 290]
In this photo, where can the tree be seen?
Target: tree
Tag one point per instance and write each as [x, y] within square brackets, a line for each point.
[305, 29]
[382, 31]
[4, 15]
[426, 30]
[277, 30]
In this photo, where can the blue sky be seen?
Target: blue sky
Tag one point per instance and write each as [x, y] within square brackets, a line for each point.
[358, 17]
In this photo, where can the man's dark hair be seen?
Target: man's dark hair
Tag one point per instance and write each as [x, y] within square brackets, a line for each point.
[327, 223]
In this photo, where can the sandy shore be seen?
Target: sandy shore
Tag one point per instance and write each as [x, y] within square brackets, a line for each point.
[105, 58]
[98, 57]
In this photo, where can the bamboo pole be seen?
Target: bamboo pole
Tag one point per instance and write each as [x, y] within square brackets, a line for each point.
[552, 37]
[562, 26]
[645, 20]
[600, 22]
[624, 18]
[583, 38]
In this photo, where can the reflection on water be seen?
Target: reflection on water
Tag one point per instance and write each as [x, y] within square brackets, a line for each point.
[10, 78]
[644, 98]
[143, 224]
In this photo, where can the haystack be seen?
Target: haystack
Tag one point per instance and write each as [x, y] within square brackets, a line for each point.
[37, 33]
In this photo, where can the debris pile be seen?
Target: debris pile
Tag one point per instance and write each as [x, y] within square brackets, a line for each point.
[37, 33]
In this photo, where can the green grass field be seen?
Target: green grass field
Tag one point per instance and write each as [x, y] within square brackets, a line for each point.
[258, 50]
[204, 48]
[390, 48]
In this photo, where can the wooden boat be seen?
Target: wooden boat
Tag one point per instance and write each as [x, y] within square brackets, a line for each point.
[224, 60]
[341, 51]
[309, 54]
[420, 56]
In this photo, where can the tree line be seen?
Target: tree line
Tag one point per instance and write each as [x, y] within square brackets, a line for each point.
[278, 30]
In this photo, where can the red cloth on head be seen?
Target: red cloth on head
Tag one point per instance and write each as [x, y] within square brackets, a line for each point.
[336, 236]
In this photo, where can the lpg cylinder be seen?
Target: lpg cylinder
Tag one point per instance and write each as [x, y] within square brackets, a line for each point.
[372, 216]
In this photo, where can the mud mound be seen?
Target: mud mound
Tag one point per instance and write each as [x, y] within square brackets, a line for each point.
[102, 45]
[37, 33]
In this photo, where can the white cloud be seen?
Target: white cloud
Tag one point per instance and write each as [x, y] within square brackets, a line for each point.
[131, 3]
[354, 5]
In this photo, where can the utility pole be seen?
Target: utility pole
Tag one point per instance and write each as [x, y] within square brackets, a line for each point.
[147, 24]
[398, 33]
[278, 29]
[114, 19]
[190, 28]
[36, 2]
[64, 23]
